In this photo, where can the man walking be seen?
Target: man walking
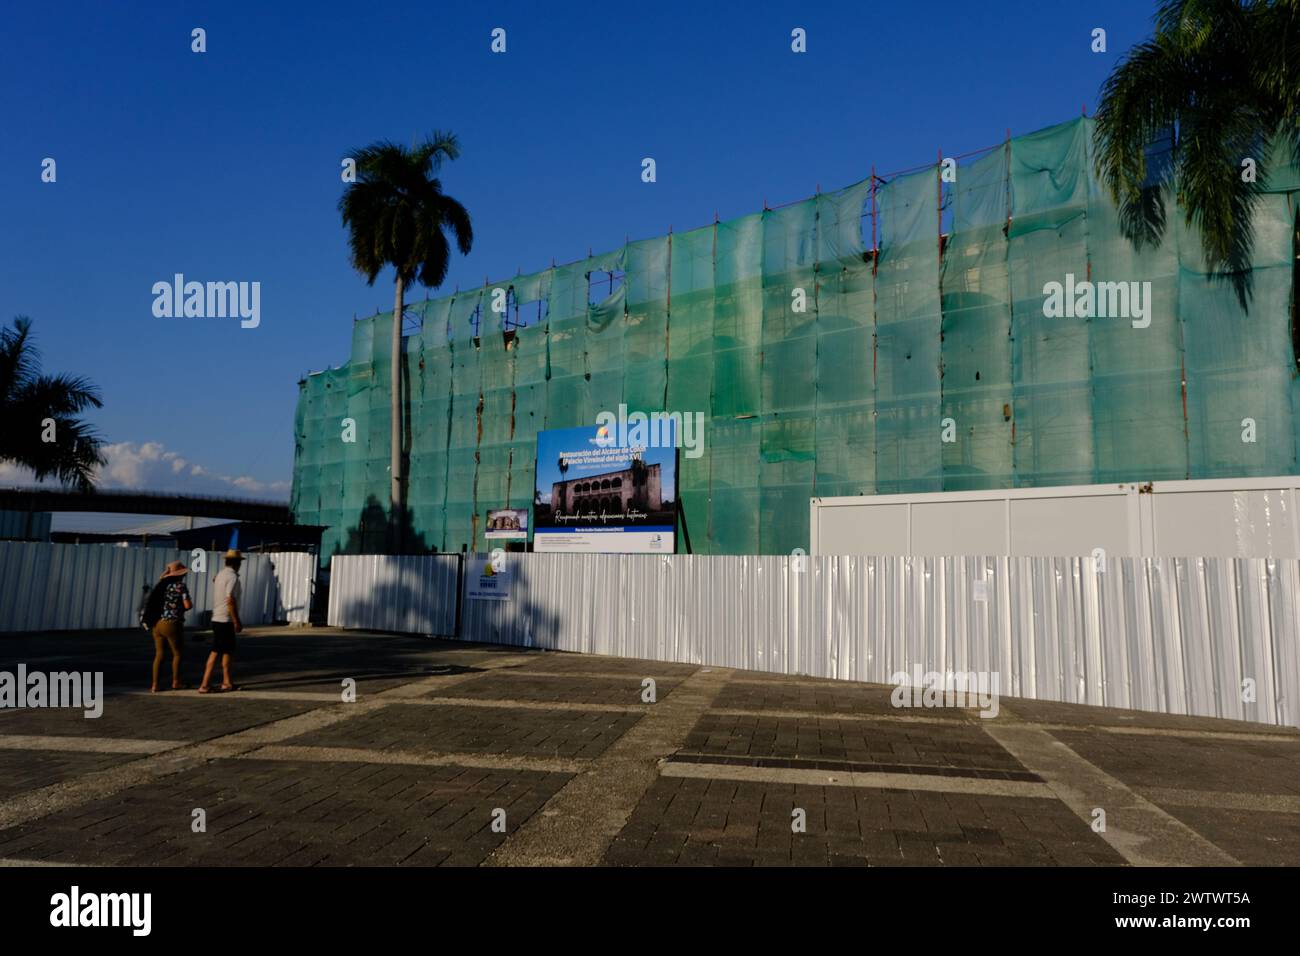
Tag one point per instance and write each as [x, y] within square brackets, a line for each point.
[225, 622]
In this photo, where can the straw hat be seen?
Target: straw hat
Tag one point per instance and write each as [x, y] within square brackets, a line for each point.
[233, 554]
[175, 570]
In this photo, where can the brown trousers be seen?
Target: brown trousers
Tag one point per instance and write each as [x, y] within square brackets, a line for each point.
[173, 632]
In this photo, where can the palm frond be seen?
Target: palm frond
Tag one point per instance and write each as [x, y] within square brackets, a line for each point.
[397, 215]
[1141, 101]
[1223, 77]
[19, 358]
[31, 401]
[437, 146]
[57, 394]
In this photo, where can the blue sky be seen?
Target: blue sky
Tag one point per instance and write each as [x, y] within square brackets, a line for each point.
[224, 166]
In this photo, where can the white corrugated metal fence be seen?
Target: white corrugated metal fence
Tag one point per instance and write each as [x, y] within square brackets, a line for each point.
[1173, 635]
[58, 587]
[414, 594]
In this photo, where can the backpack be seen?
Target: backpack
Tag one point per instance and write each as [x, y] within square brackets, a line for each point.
[153, 605]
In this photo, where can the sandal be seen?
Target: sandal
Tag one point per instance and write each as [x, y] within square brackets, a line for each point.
[205, 690]
[180, 686]
[228, 688]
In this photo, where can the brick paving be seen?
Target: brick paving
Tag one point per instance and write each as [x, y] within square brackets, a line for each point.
[25, 770]
[292, 813]
[157, 717]
[1256, 838]
[1247, 766]
[516, 685]
[812, 696]
[874, 741]
[430, 728]
[444, 734]
[701, 822]
[579, 663]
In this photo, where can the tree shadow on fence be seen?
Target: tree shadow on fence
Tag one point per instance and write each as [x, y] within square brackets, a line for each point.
[377, 533]
[396, 605]
[520, 621]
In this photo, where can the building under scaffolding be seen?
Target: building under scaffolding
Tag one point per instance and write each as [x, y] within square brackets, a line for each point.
[922, 359]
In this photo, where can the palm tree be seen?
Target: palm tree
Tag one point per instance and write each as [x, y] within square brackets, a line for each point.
[397, 215]
[1220, 80]
[41, 431]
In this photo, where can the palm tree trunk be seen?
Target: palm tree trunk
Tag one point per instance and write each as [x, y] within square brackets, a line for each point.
[395, 411]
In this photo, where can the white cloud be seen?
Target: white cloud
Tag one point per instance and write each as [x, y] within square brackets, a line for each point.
[149, 466]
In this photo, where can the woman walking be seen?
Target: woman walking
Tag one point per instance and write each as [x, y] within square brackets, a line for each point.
[165, 611]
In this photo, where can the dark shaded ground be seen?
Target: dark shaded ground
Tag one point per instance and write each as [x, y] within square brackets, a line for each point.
[454, 753]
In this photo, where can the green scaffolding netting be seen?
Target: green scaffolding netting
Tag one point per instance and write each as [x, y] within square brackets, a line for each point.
[888, 337]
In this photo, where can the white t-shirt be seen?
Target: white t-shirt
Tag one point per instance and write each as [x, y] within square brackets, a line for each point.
[226, 586]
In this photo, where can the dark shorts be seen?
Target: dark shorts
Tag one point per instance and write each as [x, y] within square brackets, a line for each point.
[223, 637]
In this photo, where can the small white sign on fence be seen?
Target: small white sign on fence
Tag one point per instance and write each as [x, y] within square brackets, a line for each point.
[487, 578]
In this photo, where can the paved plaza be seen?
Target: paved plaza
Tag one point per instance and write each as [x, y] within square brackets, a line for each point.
[475, 755]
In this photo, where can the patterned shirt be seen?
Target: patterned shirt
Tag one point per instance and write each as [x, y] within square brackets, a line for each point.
[174, 597]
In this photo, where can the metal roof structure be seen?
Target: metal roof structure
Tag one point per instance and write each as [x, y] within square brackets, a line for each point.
[144, 503]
